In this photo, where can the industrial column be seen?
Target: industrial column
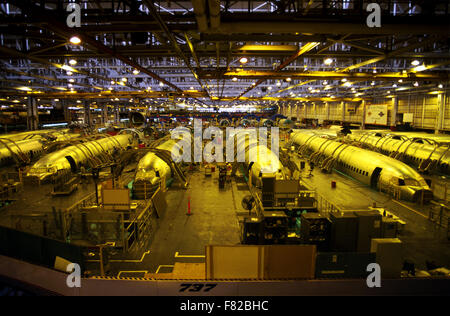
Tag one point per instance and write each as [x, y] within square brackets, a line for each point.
[32, 115]
[116, 114]
[394, 111]
[343, 111]
[327, 111]
[363, 114]
[66, 112]
[87, 114]
[440, 117]
[105, 114]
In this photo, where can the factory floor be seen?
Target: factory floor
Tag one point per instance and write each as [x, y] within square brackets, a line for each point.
[423, 240]
[181, 237]
[214, 220]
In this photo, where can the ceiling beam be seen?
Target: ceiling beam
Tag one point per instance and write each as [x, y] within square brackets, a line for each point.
[305, 48]
[173, 41]
[66, 32]
[325, 75]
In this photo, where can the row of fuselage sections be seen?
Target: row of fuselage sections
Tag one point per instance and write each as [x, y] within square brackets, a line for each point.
[384, 160]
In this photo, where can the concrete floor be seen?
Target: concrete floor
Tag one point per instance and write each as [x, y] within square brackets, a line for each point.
[182, 238]
[214, 220]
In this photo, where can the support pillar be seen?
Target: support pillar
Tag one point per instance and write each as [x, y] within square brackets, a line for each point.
[116, 114]
[363, 114]
[440, 116]
[104, 114]
[87, 114]
[66, 111]
[32, 115]
[394, 110]
[327, 111]
[343, 111]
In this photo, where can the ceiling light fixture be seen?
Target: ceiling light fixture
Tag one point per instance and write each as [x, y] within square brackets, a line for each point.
[328, 61]
[73, 62]
[243, 60]
[415, 62]
[75, 40]
[420, 68]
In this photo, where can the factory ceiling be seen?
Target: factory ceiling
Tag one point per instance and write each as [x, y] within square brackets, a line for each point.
[223, 53]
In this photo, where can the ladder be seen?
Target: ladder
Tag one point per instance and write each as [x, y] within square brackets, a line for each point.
[327, 164]
[167, 158]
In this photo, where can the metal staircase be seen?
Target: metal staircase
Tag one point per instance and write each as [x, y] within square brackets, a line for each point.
[19, 157]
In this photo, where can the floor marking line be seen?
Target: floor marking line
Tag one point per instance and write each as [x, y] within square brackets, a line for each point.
[125, 260]
[139, 271]
[163, 266]
[409, 208]
[136, 261]
[177, 255]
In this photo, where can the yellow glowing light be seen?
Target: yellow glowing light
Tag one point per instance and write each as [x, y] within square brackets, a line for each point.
[243, 60]
[24, 89]
[75, 40]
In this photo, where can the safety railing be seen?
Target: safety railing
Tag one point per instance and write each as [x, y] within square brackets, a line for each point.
[439, 215]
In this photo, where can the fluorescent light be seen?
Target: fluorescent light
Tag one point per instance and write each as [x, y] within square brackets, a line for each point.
[73, 62]
[136, 72]
[124, 79]
[68, 68]
[234, 79]
[420, 68]
[288, 79]
[24, 89]
[415, 62]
